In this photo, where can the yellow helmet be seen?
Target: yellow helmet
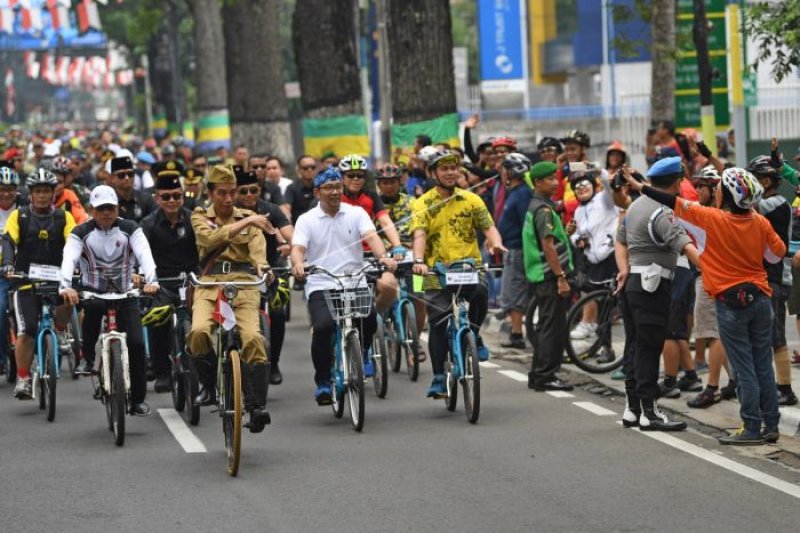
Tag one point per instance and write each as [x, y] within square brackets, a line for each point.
[157, 316]
[280, 294]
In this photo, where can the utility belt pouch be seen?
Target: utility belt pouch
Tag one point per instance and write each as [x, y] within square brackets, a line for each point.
[651, 278]
[739, 296]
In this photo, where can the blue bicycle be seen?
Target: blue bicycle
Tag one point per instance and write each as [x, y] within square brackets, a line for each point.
[400, 327]
[461, 279]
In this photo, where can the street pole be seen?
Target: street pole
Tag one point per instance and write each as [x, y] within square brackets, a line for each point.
[700, 35]
[737, 96]
[385, 77]
[148, 100]
[174, 63]
[360, 8]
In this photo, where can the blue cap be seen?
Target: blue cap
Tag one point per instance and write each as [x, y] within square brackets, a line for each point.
[146, 158]
[668, 166]
[327, 175]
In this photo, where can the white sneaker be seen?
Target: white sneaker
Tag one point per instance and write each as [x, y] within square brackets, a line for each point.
[23, 389]
[583, 330]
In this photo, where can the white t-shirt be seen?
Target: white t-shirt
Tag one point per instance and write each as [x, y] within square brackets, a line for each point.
[283, 183]
[333, 243]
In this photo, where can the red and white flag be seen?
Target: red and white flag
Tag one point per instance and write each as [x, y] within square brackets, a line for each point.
[6, 20]
[223, 312]
[31, 65]
[88, 16]
[75, 70]
[59, 14]
[11, 94]
[62, 70]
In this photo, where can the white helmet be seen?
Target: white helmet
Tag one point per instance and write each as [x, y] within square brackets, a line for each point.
[744, 188]
[352, 162]
[426, 152]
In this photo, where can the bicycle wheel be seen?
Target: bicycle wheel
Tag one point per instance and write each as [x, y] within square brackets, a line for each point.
[380, 360]
[11, 341]
[191, 386]
[232, 410]
[117, 396]
[471, 381]
[75, 344]
[531, 320]
[355, 381]
[393, 349]
[48, 378]
[411, 343]
[178, 383]
[37, 383]
[595, 353]
[451, 399]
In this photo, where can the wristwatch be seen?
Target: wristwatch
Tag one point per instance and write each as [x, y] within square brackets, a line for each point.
[562, 275]
[419, 261]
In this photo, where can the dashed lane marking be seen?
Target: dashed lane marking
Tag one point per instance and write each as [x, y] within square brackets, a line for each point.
[560, 394]
[188, 440]
[728, 464]
[594, 408]
[513, 374]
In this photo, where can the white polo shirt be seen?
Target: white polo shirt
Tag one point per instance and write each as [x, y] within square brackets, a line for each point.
[332, 242]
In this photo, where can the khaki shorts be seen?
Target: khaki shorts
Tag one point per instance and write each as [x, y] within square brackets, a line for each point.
[705, 313]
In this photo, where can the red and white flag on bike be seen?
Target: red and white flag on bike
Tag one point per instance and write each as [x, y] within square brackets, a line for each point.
[223, 312]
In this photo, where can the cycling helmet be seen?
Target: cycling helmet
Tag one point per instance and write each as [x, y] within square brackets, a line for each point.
[516, 163]
[761, 167]
[510, 142]
[548, 143]
[41, 176]
[60, 165]
[743, 187]
[708, 173]
[425, 154]
[352, 162]
[388, 172]
[157, 316]
[280, 293]
[577, 136]
[8, 176]
[443, 156]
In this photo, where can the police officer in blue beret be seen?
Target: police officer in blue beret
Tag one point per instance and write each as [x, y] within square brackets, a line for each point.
[647, 247]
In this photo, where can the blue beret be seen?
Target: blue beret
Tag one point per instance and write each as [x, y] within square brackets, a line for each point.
[668, 166]
[327, 175]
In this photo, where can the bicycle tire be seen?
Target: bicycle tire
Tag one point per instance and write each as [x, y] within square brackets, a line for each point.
[393, 348]
[380, 361]
[586, 355]
[471, 381]
[451, 399]
[531, 319]
[177, 382]
[49, 377]
[355, 380]
[37, 383]
[117, 396]
[232, 410]
[191, 385]
[75, 348]
[11, 361]
[411, 344]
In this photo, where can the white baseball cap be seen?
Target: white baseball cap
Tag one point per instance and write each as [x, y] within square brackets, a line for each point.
[103, 195]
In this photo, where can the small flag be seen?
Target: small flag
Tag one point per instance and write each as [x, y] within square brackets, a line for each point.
[88, 16]
[7, 20]
[223, 312]
[11, 94]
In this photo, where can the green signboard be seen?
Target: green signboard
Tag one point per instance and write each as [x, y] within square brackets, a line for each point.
[687, 79]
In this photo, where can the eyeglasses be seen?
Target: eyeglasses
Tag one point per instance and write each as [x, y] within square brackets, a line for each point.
[259, 167]
[248, 190]
[331, 188]
[356, 176]
[125, 174]
[308, 167]
[167, 196]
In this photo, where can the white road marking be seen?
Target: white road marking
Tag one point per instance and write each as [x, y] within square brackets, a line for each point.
[188, 440]
[728, 464]
[487, 364]
[560, 394]
[594, 408]
[513, 374]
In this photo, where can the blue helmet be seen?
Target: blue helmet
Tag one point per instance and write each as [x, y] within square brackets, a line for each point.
[9, 176]
[327, 175]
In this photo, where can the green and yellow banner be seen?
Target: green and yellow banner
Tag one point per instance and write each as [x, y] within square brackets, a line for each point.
[443, 129]
[213, 130]
[340, 135]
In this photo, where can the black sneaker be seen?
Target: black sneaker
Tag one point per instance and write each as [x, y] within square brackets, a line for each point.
[707, 398]
[787, 398]
[728, 392]
[669, 392]
[140, 409]
[742, 438]
[770, 435]
[687, 384]
[514, 341]
[163, 384]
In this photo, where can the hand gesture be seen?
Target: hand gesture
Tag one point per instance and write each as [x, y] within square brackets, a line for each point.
[472, 121]
[299, 272]
[70, 296]
[150, 289]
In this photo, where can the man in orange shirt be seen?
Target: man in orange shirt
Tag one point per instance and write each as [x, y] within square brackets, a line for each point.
[732, 242]
[66, 199]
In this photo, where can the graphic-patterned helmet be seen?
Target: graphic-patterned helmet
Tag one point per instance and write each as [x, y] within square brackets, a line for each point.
[388, 172]
[744, 188]
[41, 176]
[708, 173]
[9, 176]
[516, 163]
[577, 136]
[761, 167]
[550, 143]
[352, 162]
[442, 156]
[60, 165]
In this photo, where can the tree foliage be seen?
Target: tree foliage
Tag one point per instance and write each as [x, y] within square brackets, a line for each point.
[776, 28]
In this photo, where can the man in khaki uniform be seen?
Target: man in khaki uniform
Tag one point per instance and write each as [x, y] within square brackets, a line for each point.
[238, 234]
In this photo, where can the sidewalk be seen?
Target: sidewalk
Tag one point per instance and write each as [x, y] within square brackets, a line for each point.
[722, 416]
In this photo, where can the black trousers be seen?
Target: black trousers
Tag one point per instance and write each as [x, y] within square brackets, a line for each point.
[161, 337]
[129, 321]
[551, 332]
[324, 335]
[277, 333]
[645, 317]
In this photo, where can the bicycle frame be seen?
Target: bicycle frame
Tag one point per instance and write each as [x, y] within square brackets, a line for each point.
[457, 327]
[397, 310]
[106, 338]
[46, 327]
[341, 374]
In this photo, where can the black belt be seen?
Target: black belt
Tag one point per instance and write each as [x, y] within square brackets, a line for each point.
[226, 267]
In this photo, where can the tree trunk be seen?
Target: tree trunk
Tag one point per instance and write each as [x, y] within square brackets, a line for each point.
[428, 52]
[323, 36]
[662, 89]
[212, 92]
[257, 103]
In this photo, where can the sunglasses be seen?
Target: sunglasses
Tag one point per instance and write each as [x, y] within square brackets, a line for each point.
[309, 167]
[167, 196]
[259, 167]
[125, 175]
[356, 176]
[248, 190]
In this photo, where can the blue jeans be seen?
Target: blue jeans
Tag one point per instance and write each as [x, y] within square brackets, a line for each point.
[747, 337]
[4, 286]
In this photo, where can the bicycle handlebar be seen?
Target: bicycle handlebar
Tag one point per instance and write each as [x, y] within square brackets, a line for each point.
[109, 296]
[198, 283]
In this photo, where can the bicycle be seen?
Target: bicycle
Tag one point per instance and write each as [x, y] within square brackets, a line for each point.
[228, 345]
[113, 371]
[400, 327]
[352, 300]
[460, 278]
[596, 353]
[71, 347]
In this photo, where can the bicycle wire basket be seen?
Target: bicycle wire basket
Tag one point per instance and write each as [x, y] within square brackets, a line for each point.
[345, 303]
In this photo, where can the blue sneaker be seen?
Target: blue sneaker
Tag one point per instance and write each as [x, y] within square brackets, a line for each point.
[438, 388]
[483, 351]
[369, 368]
[323, 394]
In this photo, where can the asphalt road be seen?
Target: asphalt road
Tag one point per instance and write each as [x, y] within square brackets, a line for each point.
[534, 462]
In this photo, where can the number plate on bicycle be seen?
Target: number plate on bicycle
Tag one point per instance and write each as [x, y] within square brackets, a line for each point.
[461, 278]
[44, 272]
